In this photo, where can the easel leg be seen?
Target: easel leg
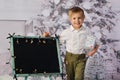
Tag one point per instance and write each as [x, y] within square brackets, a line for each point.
[26, 77]
[50, 77]
[15, 77]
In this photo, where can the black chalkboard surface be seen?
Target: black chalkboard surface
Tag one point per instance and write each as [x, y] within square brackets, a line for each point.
[35, 55]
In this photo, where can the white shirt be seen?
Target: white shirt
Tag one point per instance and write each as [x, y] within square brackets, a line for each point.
[75, 39]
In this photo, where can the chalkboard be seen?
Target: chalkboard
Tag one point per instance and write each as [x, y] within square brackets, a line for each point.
[36, 55]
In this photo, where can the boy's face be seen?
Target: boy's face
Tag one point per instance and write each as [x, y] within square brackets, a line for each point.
[76, 20]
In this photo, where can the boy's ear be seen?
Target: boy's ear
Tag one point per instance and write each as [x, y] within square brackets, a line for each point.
[70, 18]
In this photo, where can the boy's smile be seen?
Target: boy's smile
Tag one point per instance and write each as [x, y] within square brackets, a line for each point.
[76, 20]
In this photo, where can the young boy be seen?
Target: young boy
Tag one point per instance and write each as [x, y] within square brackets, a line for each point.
[75, 38]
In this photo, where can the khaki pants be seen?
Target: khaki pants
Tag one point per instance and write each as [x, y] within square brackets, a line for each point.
[75, 65]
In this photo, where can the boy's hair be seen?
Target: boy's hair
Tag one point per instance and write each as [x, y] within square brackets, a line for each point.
[76, 10]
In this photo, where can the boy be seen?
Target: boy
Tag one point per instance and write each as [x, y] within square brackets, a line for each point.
[75, 38]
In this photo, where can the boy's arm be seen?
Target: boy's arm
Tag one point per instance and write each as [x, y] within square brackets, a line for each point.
[93, 51]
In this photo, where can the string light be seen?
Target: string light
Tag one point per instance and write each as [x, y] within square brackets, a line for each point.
[35, 70]
[20, 70]
[39, 41]
[44, 41]
[31, 41]
[16, 69]
[17, 41]
[26, 40]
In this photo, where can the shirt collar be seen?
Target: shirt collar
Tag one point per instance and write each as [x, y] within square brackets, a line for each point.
[72, 28]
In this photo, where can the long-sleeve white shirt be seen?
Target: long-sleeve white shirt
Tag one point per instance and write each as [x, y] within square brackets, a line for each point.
[77, 40]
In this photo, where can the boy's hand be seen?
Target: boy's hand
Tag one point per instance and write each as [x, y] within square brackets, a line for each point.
[94, 50]
[46, 34]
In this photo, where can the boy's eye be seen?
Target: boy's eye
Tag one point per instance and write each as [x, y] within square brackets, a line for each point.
[74, 18]
[79, 17]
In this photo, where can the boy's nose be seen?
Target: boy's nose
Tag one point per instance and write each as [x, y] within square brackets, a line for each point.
[77, 20]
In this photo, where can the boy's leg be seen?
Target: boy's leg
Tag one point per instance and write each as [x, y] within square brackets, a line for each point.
[70, 61]
[69, 67]
[70, 71]
[79, 71]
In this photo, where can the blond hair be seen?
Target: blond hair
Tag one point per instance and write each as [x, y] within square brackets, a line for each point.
[76, 10]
